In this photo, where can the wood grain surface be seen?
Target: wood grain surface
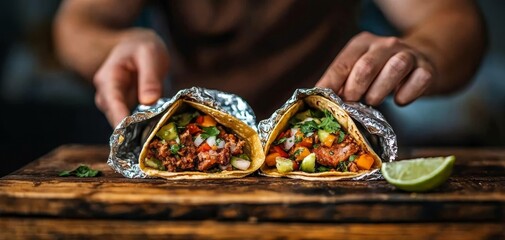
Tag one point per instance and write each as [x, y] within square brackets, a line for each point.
[107, 229]
[471, 201]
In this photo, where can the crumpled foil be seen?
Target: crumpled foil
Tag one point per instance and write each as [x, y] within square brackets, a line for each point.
[372, 120]
[129, 136]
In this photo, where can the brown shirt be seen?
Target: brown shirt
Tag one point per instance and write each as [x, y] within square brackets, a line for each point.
[261, 50]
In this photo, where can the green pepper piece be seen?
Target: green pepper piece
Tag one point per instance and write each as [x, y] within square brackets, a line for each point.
[168, 132]
[322, 134]
[155, 163]
[309, 163]
[184, 119]
[244, 156]
[303, 115]
[284, 165]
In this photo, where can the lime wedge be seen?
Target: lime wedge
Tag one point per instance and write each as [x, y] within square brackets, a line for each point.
[418, 175]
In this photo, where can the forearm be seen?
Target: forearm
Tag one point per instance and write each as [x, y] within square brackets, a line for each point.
[84, 37]
[454, 41]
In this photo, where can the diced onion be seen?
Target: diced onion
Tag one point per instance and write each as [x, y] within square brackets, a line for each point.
[294, 131]
[220, 143]
[240, 163]
[290, 141]
[198, 140]
[223, 167]
[211, 141]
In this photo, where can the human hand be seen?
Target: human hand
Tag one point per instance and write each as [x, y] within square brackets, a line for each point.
[133, 72]
[372, 67]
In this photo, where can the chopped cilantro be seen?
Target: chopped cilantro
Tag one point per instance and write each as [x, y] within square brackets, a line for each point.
[282, 140]
[81, 171]
[352, 158]
[341, 136]
[342, 166]
[298, 139]
[175, 148]
[297, 152]
[323, 169]
[329, 123]
[308, 127]
[209, 131]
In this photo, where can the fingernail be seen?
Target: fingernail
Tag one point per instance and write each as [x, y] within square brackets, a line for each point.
[148, 98]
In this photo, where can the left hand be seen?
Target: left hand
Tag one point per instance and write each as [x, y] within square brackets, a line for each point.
[371, 67]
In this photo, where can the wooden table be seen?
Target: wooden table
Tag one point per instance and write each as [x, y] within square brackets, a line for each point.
[35, 202]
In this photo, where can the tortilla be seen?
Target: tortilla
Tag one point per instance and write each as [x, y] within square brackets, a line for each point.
[346, 122]
[252, 147]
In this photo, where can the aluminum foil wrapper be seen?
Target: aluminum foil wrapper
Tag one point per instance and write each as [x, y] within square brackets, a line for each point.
[129, 136]
[372, 121]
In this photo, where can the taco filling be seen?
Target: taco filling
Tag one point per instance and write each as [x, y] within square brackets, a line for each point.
[314, 142]
[193, 141]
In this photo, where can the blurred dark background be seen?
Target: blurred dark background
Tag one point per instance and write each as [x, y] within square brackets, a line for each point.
[43, 105]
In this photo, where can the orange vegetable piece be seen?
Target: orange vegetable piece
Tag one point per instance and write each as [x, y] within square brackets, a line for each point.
[208, 121]
[302, 152]
[329, 140]
[306, 142]
[364, 161]
[270, 159]
[299, 134]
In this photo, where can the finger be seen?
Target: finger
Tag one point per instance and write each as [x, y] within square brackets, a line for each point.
[152, 66]
[395, 70]
[113, 106]
[340, 92]
[414, 87]
[339, 70]
[364, 72]
[112, 84]
[117, 109]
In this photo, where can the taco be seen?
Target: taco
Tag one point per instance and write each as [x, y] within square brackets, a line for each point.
[194, 141]
[317, 140]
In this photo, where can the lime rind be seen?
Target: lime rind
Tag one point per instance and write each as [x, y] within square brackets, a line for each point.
[425, 182]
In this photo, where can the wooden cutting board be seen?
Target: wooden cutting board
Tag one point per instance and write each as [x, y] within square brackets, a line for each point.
[470, 205]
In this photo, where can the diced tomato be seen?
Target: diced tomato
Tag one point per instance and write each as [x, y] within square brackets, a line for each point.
[283, 134]
[192, 128]
[199, 119]
[296, 165]
[270, 159]
[279, 150]
[204, 147]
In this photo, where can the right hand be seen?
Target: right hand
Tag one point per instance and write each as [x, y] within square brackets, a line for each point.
[132, 73]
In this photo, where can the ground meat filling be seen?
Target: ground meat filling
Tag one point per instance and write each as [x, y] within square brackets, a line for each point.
[234, 145]
[338, 152]
[209, 159]
[187, 157]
